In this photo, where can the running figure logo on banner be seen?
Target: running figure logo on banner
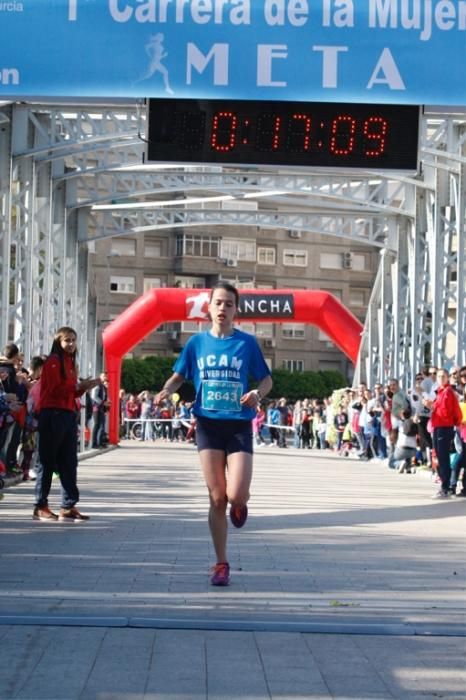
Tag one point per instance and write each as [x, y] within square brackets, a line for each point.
[197, 307]
[156, 52]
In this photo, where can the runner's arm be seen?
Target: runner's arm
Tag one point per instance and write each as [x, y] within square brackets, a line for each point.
[254, 397]
[170, 386]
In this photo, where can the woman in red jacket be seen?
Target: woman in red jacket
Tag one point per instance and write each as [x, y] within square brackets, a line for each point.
[446, 415]
[58, 429]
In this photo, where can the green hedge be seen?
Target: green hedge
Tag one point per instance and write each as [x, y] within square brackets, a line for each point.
[151, 372]
[299, 385]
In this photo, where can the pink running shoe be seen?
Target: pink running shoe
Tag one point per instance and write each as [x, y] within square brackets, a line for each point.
[238, 515]
[220, 574]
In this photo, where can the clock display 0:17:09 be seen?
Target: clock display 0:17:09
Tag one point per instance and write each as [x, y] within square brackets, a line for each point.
[321, 134]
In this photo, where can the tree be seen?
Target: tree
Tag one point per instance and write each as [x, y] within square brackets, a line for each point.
[299, 385]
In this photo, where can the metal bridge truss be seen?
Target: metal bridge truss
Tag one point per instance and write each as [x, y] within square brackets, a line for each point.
[73, 174]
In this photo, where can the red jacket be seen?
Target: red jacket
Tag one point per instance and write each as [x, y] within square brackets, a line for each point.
[56, 392]
[446, 411]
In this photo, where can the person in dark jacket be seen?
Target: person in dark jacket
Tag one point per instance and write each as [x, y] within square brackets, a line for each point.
[100, 406]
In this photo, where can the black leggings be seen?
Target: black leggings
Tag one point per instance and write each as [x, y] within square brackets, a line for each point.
[58, 451]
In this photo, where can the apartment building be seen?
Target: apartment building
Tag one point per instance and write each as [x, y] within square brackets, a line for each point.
[126, 267]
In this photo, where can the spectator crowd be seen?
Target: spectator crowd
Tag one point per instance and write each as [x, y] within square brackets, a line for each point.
[421, 427]
[19, 414]
[386, 424]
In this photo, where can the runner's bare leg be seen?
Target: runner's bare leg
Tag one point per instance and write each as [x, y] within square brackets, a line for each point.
[239, 475]
[213, 467]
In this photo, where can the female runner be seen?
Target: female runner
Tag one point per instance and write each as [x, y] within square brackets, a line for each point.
[219, 363]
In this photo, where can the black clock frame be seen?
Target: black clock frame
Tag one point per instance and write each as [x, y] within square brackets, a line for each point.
[308, 134]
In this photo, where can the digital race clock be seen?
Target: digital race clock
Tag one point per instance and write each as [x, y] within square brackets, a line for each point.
[319, 134]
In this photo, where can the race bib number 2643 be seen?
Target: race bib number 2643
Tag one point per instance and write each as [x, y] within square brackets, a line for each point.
[221, 396]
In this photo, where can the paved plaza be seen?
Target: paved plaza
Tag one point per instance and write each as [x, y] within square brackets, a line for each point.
[348, 582]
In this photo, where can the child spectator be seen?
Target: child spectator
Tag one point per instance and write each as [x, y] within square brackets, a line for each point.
[132, 413]
[257, 424]
[177, 432]
[340, 422]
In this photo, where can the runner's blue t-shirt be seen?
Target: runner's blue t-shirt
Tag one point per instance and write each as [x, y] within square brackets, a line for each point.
[219, 369]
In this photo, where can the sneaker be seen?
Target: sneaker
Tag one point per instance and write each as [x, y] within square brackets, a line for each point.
[238, 515]
[220, 574]
[461, 493]
[44, 514]
[71, 515]
[441, 494]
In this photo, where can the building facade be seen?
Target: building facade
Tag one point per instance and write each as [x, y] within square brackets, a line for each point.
[126, 267]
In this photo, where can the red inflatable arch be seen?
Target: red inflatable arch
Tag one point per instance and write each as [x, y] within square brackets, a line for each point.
[166, 305]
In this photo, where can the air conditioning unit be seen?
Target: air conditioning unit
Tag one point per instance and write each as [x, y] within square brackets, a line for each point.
[269, 343]
[231, 262]
[295, 234]
[347, 261]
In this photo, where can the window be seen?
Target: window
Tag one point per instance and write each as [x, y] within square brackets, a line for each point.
[335, 292]
[246, 326]
[357, 297]
[293, 365]
[295, 258]
[296, 331]
[264, 330]
[327, 365]
[187, 282]
[105, 321]
[196, 246]
[192, 326]
[153, 249]
[266, 256]
[122, 285]
[331, 261]
[234, 249]
[189, 326]
[343, 260]
[243, 283]
[358, 262]
[151, 283]
[123, 246]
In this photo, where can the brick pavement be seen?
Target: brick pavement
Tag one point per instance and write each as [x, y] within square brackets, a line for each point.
[347, 582]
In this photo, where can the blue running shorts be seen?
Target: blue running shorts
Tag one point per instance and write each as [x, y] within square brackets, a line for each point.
[226, 435]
